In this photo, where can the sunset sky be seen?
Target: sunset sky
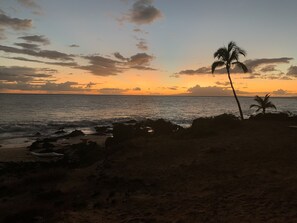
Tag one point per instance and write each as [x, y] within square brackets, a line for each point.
[146, 47]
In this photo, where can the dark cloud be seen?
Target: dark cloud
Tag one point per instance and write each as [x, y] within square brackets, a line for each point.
[14, 23]
[21, 74]
[292, 71]
[73, 45]
[270, 76]
[136, 89]
[115, 91]
[65, 64]
[30, 46]
[201, 70]
[120, 56]
[142, 68]
[103, 66]
[142, 45]
[142, 12]
[66, 86]
[36, 38]
[253, 64]
[209, 91]
[286, 78]
[32, 79]
[256, 69]
[44, 86]
[269, 68]
[48, 54]
[140, 59]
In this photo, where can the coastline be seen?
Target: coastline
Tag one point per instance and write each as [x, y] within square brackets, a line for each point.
[218, 170]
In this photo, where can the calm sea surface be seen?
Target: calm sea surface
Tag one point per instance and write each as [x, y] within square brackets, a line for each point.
[24, 115]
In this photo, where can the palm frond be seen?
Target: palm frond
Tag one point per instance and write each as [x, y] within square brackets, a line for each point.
[266, 98]
[221, 53]
[263, 103]
[241, 51]
[270, 105]
[216, 64]
[231, 46]
[255, 106]
[258, 99]
[241, 66]
[234, 56]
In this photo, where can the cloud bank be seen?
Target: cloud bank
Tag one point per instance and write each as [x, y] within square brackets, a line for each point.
[36, 38]
[264, 68]
[12, 23]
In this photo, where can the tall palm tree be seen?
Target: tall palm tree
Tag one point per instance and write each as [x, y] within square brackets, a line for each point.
[229, 57]
[263, 103]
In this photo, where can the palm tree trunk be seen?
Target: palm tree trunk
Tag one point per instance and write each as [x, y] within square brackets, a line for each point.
[237, 101]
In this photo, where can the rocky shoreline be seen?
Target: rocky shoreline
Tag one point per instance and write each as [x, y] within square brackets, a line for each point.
[218, 170]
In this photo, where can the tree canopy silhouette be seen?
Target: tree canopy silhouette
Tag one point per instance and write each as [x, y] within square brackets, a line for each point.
[263, 103]
[229, 57]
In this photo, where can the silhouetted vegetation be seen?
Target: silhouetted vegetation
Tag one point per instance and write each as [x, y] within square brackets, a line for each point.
[263, 103]
[229, 57]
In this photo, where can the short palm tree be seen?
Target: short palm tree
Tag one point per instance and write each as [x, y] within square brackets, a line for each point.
[263, 103]
[229, 57]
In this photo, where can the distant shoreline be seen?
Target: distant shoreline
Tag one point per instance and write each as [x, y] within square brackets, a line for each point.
[119, 95]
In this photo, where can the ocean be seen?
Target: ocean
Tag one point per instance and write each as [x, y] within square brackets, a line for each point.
[23, 115]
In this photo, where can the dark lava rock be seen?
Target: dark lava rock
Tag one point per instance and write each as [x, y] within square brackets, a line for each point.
[47, 145]
[103, 130]
[109, 142]
[212, 125]
[35, 145]
[83, 154]
[59, 132]
[281, 116]
[132, 121]
[75, 133]
[161, 127]
[37, 134]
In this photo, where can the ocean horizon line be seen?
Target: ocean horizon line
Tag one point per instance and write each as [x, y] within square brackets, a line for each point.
[140, 95]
